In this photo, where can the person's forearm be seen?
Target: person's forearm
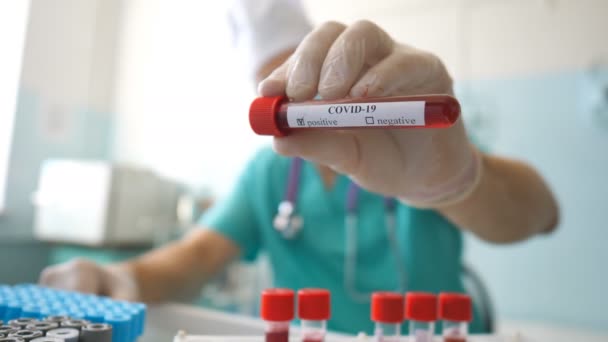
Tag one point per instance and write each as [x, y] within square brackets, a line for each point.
[511, 203]
[179, 270]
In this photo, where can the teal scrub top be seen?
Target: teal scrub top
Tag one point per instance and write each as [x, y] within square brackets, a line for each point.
[430, 246]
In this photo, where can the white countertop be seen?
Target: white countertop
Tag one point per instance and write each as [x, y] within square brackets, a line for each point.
[202, 325]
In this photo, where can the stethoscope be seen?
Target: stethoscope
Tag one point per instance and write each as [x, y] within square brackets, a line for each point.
[288, 223]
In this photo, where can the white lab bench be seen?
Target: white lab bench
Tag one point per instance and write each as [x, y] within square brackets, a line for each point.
[165, 321]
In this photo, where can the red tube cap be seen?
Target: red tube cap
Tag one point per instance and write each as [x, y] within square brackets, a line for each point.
[314, 304]
[387, 307]
[421, 306]
[263, 115]
[277, 305]
[455, 307]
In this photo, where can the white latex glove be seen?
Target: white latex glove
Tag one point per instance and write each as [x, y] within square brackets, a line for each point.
[262, 29]
[88, 277]
[427, 168]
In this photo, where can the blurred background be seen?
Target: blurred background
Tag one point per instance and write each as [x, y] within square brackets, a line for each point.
[114, 119]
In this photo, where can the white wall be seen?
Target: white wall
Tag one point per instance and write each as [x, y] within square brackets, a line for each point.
[181, 95]
[13, 20]
[64, 97]
[70, 52]
[507, 38]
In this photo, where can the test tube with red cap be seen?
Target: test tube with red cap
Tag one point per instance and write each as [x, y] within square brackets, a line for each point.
[421, 311]
[277, 309]
[387, 313]
[278, 116]
[455, 310]
[314, 309]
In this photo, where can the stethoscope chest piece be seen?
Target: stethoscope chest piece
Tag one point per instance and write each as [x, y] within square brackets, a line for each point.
[286, 222]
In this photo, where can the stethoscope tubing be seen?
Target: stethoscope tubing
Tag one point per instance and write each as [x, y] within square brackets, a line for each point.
[351, 225]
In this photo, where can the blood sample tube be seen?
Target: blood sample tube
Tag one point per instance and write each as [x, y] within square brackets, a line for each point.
[96, 333]
[387, 313]
[277, 309]
[7, 329]
[65, 334]
[421, 311]
[277, 116]
[27, 335]
[314, 309]
[75, 323]
[42, 326]
[57, 319]
[22, 322]
[47, 339]
[455, 309]
[11, 339]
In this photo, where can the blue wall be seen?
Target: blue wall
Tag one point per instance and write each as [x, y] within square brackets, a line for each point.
[544, 120]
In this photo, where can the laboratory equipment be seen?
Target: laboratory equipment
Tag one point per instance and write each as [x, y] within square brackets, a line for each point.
[421, 311]
[7, 330]
[277, 116]
[44, 327]
[185, 323]
[455, 310]
[33, 311]
[48, 339]
[98, 203]
[313, 311]
[387, 313]
[65, 334]
[21, 323]
[99, 332]
[277, 309]
[27, 335]
[56, 319]
[76, 324]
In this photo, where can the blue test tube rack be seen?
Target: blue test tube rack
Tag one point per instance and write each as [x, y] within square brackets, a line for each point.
[34, 301]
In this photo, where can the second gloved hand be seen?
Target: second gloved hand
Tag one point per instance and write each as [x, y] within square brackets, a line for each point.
[427, 168]
[86, 276]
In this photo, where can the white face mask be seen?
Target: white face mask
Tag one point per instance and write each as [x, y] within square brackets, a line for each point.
[262, 29]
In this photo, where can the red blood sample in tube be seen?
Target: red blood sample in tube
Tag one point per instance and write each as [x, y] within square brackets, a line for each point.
[314, 309]
[387, 314]
[277, 116]
[454, 339]
[310, 339]
[277, 309]
[277, 336]
[455, 309]
[421, 311]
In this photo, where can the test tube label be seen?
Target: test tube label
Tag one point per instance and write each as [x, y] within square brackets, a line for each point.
[383, 114]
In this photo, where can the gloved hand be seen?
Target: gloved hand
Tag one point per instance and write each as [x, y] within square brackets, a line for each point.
[88, 277]
[428, 168]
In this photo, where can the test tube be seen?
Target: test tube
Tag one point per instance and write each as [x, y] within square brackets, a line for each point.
[387, 313]
[278, 116]
[277, 309]
[455, 310]
[314, 309]
[42, 326]
[421, 311]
